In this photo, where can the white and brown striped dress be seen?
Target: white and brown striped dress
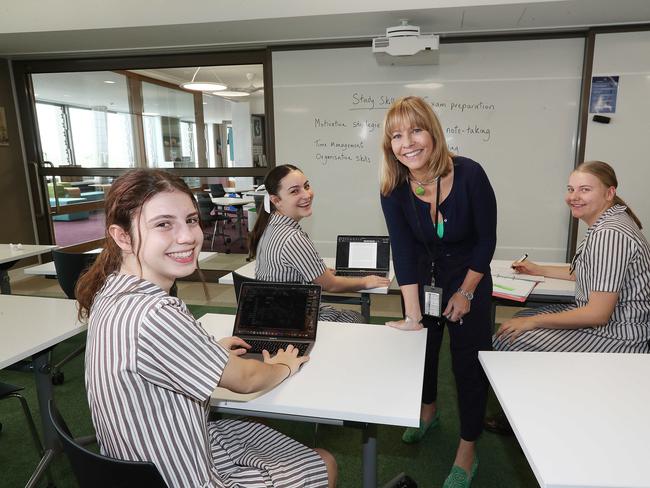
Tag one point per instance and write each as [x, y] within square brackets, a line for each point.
[286, 254]
[614, 256]
[150, 370]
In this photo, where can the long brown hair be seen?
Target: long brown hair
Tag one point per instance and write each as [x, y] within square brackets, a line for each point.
[607, 176]
[124, 202]
[272, 184]
[415, 112]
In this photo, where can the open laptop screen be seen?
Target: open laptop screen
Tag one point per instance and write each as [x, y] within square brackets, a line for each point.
[278, 310]
[362, 252]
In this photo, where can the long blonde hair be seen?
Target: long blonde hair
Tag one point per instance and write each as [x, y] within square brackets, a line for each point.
[607, 176]
[415, 112]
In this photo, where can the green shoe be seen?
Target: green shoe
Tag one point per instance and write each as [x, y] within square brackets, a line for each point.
[459, 478]
[412, 434]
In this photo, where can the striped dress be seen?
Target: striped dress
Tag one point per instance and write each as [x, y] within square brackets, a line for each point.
[614, 256]
[150, 370]
[286, 254]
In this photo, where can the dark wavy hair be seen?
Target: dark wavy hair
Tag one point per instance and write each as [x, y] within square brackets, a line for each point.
[272, 184]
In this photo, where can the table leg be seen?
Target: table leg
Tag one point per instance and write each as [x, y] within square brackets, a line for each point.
[370, 456]
[365, 306]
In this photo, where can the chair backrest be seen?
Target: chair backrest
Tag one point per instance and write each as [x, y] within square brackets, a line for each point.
[204, 202]
[238, 279]
[68, 266]
[217, 190]
[97, 471]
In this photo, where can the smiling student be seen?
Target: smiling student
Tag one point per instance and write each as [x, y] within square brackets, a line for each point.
[611, 269]
[285, 253]
[151, 367]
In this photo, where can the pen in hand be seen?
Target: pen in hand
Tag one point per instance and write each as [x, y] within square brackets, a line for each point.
[523, 257]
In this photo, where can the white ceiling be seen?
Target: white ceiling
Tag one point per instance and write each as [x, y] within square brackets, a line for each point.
[124, 26]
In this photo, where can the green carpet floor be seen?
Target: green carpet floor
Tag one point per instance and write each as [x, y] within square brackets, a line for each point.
[502, 463]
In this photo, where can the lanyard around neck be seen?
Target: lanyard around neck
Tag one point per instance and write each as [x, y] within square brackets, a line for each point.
[435, 220]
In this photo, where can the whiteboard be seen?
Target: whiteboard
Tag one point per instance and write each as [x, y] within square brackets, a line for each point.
[625, 141]
[512, 106]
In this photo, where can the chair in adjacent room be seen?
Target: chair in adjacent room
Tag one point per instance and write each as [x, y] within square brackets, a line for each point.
[98, 471]
[210, 215]
[69, 266]
[217, 190]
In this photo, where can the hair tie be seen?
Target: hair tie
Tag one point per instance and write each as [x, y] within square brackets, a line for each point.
[267, 203]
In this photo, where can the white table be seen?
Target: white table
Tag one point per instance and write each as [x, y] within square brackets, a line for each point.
[47, 269]
[581, 418]
[381, 384]
[31, 327]
[9, 254]
[248, 270]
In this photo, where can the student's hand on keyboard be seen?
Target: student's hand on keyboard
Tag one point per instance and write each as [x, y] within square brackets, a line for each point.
[235, 345]
[373, 281]
[289, 357]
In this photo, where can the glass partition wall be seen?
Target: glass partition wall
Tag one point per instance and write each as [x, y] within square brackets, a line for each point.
[90, 126]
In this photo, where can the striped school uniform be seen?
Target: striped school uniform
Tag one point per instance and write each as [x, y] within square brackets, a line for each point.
[614, 256]
[286, 254]
[150, 370]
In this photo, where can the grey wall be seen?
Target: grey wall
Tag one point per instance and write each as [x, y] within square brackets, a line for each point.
[15, 214]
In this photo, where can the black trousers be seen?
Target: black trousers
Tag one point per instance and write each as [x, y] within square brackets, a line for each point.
[466, 340]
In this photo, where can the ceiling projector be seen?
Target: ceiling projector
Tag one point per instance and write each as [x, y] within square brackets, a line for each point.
[403, 45]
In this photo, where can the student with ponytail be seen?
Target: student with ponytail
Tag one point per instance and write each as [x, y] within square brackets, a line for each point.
[611, 269]
[151, 367]
[285, 253]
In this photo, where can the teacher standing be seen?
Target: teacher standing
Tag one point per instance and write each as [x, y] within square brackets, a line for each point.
[441, 214]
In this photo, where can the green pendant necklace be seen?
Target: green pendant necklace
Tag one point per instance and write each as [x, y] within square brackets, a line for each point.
[419, 190]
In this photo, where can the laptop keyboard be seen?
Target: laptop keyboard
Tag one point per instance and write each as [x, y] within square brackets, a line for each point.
[362, 273]
[257, 346]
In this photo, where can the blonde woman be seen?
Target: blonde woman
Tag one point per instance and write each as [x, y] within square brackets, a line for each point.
[440, 211]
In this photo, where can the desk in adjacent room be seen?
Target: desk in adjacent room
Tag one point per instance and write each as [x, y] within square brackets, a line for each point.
[580, 418]
[31, 326]
[341, 385]
[238, 203]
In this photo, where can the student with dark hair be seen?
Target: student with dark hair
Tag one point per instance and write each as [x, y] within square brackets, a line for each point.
[285, 253]
[151, 367]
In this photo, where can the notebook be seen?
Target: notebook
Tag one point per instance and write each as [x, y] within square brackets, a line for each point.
[362, 255]
[273, 315]
[512, 288]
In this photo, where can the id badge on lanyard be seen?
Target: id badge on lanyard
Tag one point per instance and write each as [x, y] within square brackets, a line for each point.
[432, 297]
[432, 294]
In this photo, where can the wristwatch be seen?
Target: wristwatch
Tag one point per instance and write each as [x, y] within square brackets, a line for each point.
[467, 294]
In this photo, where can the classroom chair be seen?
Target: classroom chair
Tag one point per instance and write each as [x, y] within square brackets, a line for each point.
[69, 266]
[217, 190]
[210, 215]
[11, 391]
[96, 471]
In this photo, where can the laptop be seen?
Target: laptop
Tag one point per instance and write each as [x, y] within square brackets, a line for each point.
[273, 315]
[362, 255]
